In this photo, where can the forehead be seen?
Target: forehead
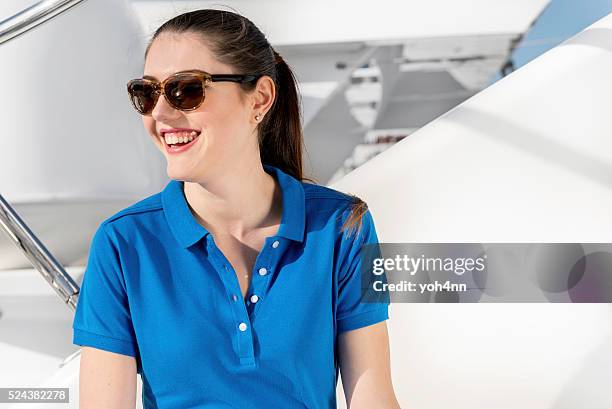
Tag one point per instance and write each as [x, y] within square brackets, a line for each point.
[172, 52]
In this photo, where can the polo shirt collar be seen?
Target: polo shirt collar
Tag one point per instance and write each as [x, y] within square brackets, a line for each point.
[293, 220]
[188, 231]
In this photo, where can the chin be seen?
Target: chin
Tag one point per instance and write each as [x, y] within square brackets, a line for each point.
[178, 174]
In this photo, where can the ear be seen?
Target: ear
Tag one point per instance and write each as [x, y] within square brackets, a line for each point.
[262, 97]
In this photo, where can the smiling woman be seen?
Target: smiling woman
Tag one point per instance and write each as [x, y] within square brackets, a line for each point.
[238, 285]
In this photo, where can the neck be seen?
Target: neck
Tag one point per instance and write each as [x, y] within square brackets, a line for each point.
[239, 200]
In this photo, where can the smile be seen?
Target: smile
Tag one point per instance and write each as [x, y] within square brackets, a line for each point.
[177, 142]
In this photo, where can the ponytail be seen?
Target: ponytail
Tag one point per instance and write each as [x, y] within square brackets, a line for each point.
[281, 138]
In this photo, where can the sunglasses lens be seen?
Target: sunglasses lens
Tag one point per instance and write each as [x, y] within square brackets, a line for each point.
[143, 95]
[184, 91]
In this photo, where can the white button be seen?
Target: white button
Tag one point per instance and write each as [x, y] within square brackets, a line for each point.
[254, 298]
[263, 271]
[242, 326]
[234, 297]
[275, 244]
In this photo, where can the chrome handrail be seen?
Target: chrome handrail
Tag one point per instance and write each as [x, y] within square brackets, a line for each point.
[37, 253]
[32, 16]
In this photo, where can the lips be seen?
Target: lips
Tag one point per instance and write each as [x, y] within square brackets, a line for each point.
[163, 132]
[178, 142]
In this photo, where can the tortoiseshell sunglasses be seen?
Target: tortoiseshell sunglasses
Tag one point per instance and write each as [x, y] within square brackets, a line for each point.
[183, 90]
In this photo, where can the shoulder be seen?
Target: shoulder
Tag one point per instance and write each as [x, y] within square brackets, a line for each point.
[349, 210]
[150, 206]
[326, 197]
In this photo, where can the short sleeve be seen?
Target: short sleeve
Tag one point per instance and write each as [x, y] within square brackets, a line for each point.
[102, 319]
[358, 304]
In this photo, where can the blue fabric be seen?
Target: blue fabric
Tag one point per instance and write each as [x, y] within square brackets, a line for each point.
[157, 288]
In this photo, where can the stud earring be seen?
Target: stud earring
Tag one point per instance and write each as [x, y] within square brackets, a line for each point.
[257, 117]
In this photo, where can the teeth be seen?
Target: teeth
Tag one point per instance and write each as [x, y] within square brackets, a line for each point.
[179, 137]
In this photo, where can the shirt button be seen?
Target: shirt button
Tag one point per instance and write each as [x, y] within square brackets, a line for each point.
[242, 326]
[263, 271]
[234, 297]
[254, 298]
[275, 244]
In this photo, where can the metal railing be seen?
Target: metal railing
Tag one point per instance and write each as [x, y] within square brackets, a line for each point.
[16, 229]
[32, 16]
[37, 253]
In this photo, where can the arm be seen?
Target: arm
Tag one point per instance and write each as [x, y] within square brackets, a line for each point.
[103, 326]
[107, 380]
[365, 368]
[363, 341]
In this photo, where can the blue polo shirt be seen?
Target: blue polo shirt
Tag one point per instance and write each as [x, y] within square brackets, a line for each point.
[156, 287]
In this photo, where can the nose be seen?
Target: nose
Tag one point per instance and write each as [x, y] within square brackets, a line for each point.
[163, 111]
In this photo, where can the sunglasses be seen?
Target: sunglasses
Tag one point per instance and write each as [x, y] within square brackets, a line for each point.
[183, 90]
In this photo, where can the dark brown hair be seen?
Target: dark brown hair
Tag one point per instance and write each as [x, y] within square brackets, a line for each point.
[354, 221]
[235, 41]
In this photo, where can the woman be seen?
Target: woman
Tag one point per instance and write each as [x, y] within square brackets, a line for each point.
[238, 285]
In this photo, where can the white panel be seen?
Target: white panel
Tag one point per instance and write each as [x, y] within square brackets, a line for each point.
[528, 159]
[325, 21]
[68, 128]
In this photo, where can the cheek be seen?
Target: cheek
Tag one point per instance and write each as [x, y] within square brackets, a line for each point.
[222, 126]
[149, 125]
[231, 128]
[228, 112]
